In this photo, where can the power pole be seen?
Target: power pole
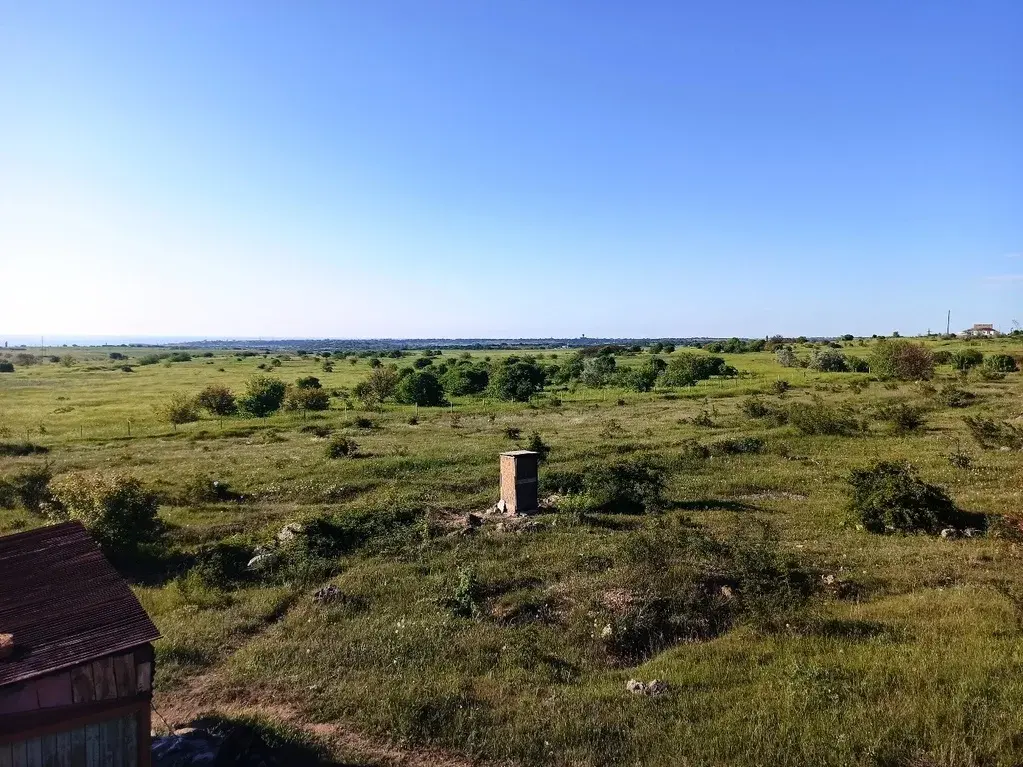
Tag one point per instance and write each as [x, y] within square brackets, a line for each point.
[948, 323]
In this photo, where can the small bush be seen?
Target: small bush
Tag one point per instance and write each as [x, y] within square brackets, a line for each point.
[223, 565]
[951, 395]
[308, 382]
[780, 387]
[538, 446]
[965, 359]
[960, 459]
[561, 482]
[202, 488]
[628, 487]
[362, 422]
[18, 449]
[819, 418]
[6, 366]
[342, 447]
[264, 395]
[693, 453]
[317, 430]
[828, 361]
[901, 360]
[902, 417]
[737, 446]
[890, 497]
[118, 510]
[30, 488]
[309, 399]
[991, 434]
[1001, 363]
[513, 432]
[217, 400]
[942, 357]
[466, 600]
[179, 409]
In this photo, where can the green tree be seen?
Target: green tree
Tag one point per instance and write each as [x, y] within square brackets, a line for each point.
[179, 409]
[380, 385]
[901, 359]
[517, 379]
[263, 395]
[420, 388]
[597, 371]
[218, 400]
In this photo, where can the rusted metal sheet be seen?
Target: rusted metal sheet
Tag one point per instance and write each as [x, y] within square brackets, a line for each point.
[64, 604]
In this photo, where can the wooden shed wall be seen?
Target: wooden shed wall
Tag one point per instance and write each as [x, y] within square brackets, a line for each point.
[111, 743]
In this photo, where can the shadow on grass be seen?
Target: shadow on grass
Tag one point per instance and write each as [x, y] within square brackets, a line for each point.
[713, 504]
[255, 742]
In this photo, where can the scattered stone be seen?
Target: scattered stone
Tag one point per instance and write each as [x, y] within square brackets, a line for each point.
[949, 532]
[327, 594]
[829, 580]
[1005, 448]
[727, 592]
[6, 646]
[289, 532]
[473, 520]
[970, 532]
[260, 561]
[653, 688]
[501, 507]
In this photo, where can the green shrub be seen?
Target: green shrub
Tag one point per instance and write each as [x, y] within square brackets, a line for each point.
[223, 564]
[118, 510]
[217, 400]
[903, 418]
[942, 357]
[462, 378]
[18, 449]
[6, 366]
[538, 446]
[819, 418]
[598, 371]
[381, 385]
[628, 487]
[828, 361]
[991, 434]
[308, 382]
[951, 395]
[314, 399]
[30, 488]
[562, 482]
[692, 454]
[179, 409]
[685, 586]
[901, 360]
[737, 446]
[342, 447]
[263, 395]
[466, 600]
[202, 488]
[1001, 363]
[420, 388]
[890, 497]
[965, 359]
[857, 364]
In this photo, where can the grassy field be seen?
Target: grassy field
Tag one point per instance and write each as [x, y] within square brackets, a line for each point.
[486, 644]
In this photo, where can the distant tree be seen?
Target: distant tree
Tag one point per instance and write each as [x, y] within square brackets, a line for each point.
[848, 337]
[656, 348]
[641, 378]
[786, 357]
[517, 379]
[179, 409]
[68, 361]
[379, 386]
[828, 361]
[669, 348]
[902, 360]
[420, 388]
[422, 362]
[597, 371]
[263, 395]
[307, 398]
[308, 382]
[328, 366]
[462, 379]
[756, 345]
[375, 362]
[218, 400]
[116, 356]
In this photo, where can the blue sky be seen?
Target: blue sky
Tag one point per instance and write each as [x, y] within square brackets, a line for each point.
[513, 168]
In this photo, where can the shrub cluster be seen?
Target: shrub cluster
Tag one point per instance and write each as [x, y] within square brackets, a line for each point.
[889, 497]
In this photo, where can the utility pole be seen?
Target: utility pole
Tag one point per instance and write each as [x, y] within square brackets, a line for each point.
[948, 323]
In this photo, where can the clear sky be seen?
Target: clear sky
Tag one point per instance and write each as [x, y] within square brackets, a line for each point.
[509, 167]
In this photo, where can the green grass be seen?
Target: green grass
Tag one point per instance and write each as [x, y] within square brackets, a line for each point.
[911, 656]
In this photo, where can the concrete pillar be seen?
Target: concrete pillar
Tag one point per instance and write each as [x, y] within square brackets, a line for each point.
[519, 489]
